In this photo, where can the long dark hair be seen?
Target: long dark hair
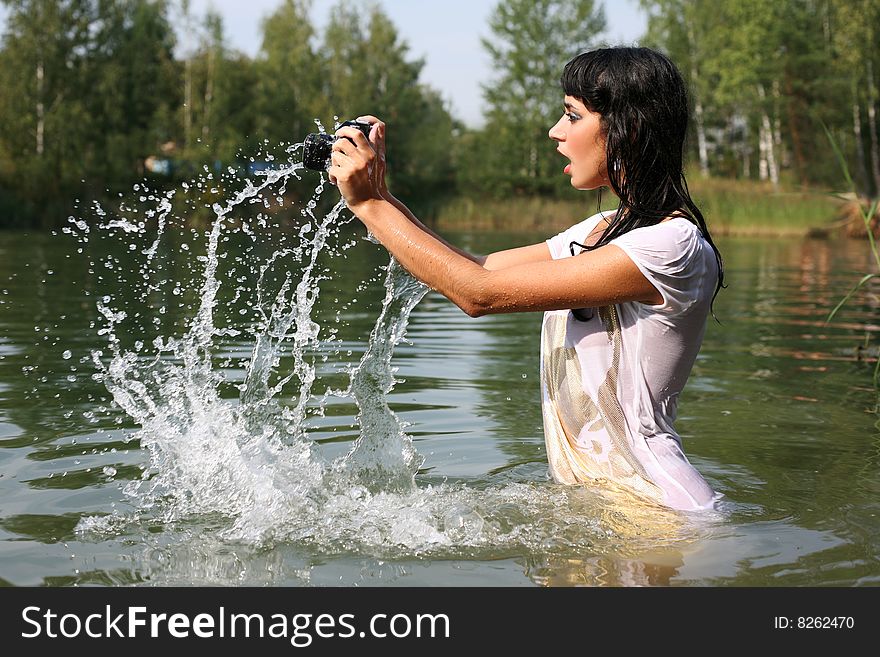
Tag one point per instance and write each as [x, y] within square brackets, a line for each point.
[643, 104]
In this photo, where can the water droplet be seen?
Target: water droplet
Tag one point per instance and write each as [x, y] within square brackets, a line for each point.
[67, 354]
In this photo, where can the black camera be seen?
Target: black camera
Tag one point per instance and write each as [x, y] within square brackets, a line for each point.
[316, 147]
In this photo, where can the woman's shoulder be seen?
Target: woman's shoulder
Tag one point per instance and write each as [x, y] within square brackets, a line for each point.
[675, 235]
[674, 246]
[679, 228]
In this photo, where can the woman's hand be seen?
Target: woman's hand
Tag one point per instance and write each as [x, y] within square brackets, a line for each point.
[377, 139]
[357, 165]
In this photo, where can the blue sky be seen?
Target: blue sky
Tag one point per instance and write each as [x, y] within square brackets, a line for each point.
[445, 33]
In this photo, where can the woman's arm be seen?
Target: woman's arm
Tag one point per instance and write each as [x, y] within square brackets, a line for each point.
[595, 278]
[498, 260]
[529, 280]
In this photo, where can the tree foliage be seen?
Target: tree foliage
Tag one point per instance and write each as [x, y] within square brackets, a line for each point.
[85, 83]
[770, 76]
[94, 90]
[531, 40]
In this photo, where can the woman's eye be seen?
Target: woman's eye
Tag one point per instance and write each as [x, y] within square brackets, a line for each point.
[572, 117]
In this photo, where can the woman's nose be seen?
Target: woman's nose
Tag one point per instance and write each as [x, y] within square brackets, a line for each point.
[556, 132]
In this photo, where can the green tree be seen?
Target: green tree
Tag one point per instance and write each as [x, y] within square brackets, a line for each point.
[531, 41]
[289, 75]
[84, 83]
[223, 90]
[42, 73]
[767, 76]
[682, 28]
[234, 113]
[132, 78]
[369, 71]
[855, 39]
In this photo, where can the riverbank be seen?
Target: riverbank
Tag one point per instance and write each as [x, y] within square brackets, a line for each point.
[731, 207]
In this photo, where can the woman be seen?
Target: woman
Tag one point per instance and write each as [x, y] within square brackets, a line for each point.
[625, 294]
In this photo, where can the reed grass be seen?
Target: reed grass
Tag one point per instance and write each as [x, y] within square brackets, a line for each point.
[867, 212]
[738, 207]
[731, 207]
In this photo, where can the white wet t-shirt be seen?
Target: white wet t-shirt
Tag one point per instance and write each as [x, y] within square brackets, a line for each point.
[610, 383]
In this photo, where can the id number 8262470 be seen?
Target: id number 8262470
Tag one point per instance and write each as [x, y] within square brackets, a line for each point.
[814, 622]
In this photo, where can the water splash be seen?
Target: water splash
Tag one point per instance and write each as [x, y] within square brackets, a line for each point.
[251, 462]
[383, 457]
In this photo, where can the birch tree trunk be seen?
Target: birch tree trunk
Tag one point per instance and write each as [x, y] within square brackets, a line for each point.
[762, 154]
[701, 138]
[187, 102]
[767, 168]
[209, 96]
[41, 119]
[698, 107]
[773, 170]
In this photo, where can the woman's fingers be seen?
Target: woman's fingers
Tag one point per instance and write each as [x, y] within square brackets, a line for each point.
[357, 163]
[377, 140]
[355, 136]
[372, 120]
[349, 162]
[360, 153]
[377, 131]
[338, 162]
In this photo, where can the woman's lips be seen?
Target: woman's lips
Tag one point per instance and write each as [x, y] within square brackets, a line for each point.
[567, 166]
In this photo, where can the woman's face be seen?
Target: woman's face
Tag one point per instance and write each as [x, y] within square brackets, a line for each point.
[578, 134]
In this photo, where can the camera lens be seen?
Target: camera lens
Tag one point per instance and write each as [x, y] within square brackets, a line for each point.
[316, 151]
[317, 146]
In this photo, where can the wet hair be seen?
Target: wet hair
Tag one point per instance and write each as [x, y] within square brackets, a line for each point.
[643, 106]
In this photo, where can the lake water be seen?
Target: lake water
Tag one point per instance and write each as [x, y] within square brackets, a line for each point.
[776, 415]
